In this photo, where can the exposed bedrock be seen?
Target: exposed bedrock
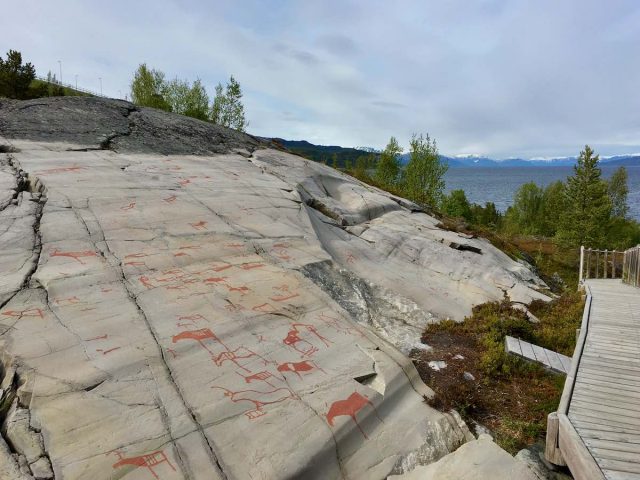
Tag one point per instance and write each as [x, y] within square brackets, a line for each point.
[181, 301]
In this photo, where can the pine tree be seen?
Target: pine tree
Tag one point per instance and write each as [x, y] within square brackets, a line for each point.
[587, 204]
[15, 78]
[388, 166]
[423, 179]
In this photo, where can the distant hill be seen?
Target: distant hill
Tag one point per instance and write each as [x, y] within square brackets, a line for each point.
[325, 153]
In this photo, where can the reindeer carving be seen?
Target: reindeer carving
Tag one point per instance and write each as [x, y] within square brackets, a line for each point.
[350, 407]
[297, 367]
[259, 399]
[301, 345]
[148, 460]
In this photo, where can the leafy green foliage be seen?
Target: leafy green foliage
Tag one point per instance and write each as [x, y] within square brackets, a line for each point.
[423, 177]
[456, 205]
[618, 193]
[388, 168]
[149, 89]
[190, 100]
[227, 108]
[526, 214]
[16, 78]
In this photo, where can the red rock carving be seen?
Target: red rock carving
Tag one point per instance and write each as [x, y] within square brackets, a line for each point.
[265, 307]
[234, 245]
[235, 355]
[170, 199]
[67, 301]
[75, 255]
[136, 255]
[260, 376]
[251, 266]
[263, 398]
[243, 290]
[201, 225]
[148, 460]
[297, 367]
[184, 182]
[101, 337]
[144, 280]
[135, 264]
[105, 352]
[181, 254]
[282, 298]
[220, 268]
[351, 258]
[59, 170]
[215, 280]
[128, 207]
[339, 325]
[29, 312]
[350, 407]
[199, 336]
[194, 318]
[301, 345]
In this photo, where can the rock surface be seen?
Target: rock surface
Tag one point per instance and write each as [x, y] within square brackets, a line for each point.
[478, 459]
[182, 301]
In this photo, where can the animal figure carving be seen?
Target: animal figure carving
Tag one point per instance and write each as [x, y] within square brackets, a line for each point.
[301, 345]
[297, 367]
[259, 399]
[75, 255]
[234, 355]
[201, 225]
[148, 460]
[199, 336]
[29, 312]
[350, 407]
[264, 376]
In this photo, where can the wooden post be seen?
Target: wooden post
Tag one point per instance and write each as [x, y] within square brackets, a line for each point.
[551, 448]
[581, 263]
[588, 263]
[597, 264]
[605, 264]
[613, 264]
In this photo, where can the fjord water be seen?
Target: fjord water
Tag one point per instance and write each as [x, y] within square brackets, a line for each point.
[499, 184]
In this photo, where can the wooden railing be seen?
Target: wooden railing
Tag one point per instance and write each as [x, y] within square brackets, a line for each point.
[596, 263]
[631, 266]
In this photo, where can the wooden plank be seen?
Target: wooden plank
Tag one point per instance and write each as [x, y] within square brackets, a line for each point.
[590, 435]
[527, 351]
[615, 475]
[575, 453]
[566, 362]
[555, 362]
[619, 465]
[595, 406]
[540, 355]
[513, 345]
[613, 445]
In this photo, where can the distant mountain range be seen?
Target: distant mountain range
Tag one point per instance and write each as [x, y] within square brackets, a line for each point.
[326, 153]
[477, 161]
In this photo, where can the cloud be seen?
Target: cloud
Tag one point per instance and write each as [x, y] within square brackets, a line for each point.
[495, 77]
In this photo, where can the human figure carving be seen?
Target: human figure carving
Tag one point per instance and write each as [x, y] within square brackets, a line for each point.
[301, 345]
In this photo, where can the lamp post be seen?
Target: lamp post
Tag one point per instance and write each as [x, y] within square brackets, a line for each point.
[76, 81]
[100, 78]
[60, 65]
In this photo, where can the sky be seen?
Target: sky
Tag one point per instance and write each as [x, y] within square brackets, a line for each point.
[500, 78]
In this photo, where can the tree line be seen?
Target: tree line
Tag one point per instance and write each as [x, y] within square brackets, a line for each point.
[150, 88]
[586, 209]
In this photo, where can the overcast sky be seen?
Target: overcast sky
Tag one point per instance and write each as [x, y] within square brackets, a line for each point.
[497, 78]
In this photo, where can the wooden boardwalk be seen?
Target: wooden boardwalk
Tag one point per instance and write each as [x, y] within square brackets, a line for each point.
[551, 360]
[597, 426]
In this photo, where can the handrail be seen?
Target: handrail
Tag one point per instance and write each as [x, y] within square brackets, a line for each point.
[598, 263]
[72, 87]
[631, 266]
[564, 444]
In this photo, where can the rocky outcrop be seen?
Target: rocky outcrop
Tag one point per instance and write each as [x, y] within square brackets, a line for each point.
[182, 301]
